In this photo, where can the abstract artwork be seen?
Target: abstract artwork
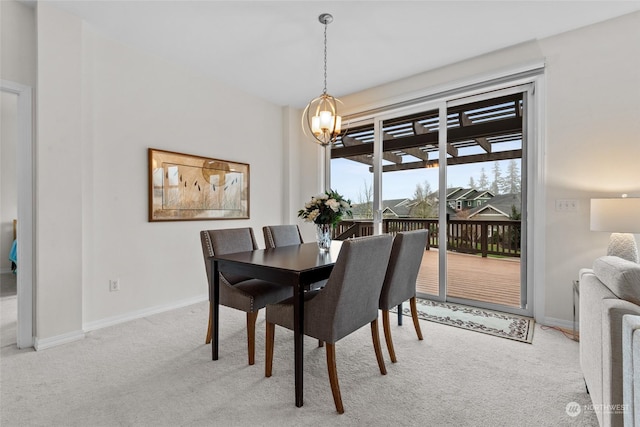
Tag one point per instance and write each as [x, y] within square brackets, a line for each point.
[185, 187]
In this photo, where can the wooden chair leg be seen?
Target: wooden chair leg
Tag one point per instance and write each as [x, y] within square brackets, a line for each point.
[376, 345]
[333, 377]
[387, 335]
[251, 336]
[414, 315]
[268, 364]
[209, 328]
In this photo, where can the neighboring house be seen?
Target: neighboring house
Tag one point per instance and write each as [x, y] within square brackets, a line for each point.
[459, 198]
[395, 208]
[499, 207]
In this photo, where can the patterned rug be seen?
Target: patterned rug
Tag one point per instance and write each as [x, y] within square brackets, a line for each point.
[504, 325]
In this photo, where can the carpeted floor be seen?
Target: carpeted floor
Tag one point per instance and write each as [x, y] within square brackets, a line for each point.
[156, 371]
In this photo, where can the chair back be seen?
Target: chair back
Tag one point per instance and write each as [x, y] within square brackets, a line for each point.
[404, 266]
[226, 241]
[281, 235]
[349, 300]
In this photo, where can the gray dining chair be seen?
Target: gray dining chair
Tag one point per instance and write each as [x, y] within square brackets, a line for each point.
[400, 280]
[286, 235]
[236, 291]
[281, 235]
[348, 302]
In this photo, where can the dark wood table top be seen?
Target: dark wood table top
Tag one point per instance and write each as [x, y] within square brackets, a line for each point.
[292, 265]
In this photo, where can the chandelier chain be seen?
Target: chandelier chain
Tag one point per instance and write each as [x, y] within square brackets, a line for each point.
[325, 58]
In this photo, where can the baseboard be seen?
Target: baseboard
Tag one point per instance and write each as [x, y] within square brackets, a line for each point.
[126, 317]
[44, 343]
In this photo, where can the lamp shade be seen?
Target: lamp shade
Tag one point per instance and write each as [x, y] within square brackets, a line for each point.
[616, 215]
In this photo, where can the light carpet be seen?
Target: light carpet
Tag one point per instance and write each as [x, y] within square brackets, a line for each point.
[157, 371]
[504, 325]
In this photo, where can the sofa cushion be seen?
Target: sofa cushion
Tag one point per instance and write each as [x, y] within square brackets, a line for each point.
[622, 277]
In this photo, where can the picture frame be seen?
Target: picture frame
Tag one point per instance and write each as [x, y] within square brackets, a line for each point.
[186, 187]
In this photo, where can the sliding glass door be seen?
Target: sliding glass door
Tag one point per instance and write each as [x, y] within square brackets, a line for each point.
[457, 168]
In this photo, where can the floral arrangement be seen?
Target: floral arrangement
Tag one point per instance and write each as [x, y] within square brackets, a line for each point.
[326, 208]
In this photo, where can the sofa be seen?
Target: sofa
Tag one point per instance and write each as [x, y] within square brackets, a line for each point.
[631, 368]
[608, 291]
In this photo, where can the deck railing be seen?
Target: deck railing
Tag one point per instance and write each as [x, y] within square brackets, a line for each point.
[479, 237]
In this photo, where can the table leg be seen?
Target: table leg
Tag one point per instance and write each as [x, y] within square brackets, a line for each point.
[298, 338]
[215, 295]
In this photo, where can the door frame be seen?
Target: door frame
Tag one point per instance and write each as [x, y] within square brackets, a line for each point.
[25, 229]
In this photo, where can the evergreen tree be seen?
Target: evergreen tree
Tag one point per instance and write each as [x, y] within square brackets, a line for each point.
[483, 182]
[496, 184]
[512, 181]
[472, 183]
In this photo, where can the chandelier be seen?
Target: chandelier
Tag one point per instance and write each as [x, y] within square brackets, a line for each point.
[321, 117]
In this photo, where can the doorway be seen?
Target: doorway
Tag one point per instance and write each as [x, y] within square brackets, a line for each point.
[19, 101]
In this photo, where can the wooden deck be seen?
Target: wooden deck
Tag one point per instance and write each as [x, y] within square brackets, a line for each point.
[494, 280]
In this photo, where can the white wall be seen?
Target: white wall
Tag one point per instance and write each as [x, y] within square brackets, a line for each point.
[101, 105]
[592, 135]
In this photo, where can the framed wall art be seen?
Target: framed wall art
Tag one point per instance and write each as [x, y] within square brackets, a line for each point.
[184, 187]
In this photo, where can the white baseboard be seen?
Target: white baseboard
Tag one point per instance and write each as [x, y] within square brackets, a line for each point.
[126, 317]
[44, 343]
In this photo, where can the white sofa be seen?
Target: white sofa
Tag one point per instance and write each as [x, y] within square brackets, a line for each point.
[608, 291]
[631, 369]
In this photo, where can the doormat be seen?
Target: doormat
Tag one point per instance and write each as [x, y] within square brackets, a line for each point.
[504, 325]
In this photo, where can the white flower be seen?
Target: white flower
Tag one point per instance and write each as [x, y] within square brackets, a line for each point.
[345, 205]
[312, 215]
[333, 204]
[321, 197]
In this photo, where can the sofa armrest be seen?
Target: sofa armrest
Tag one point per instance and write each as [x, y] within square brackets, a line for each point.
[631, 369]
[613, 311]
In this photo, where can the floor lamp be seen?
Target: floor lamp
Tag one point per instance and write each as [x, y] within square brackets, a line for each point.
[621, 217]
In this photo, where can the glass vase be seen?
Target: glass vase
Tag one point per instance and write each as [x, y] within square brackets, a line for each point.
[323, 236]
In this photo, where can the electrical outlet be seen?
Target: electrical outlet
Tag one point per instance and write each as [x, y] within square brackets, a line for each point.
[566, 205]
[114, 285]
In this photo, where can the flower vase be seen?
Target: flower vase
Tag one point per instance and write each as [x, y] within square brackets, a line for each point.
[323, 235]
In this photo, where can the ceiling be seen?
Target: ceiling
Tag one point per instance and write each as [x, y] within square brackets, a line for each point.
[274, 49]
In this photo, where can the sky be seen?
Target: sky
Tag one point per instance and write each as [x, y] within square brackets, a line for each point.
[348, 178]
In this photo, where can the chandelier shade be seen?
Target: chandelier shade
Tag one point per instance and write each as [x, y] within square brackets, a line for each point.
[320, 118]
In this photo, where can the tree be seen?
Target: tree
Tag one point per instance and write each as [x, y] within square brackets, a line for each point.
[365, 201]
[483, 182]
[497, 183]
[424, 202]
[512, 181]
[472, 183]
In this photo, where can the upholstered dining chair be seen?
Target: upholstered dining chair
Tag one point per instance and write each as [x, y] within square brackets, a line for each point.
[281, 235]
[348, 302]
[400, 280]
[286, 235]
[239, 292]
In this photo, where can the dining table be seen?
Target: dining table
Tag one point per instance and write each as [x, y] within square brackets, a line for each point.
[298, 266]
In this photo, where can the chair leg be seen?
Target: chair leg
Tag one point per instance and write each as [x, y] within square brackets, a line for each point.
[333, 377]
[268, 364]
[320, 343]
[376, 346]
[387, 335]
[209, 328]
[251, 335]
[414, 315]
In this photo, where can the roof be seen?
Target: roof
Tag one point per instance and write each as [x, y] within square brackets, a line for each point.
[499, 205]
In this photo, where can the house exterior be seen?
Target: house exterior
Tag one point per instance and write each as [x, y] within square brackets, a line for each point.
[499, 207]
[459, 198]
